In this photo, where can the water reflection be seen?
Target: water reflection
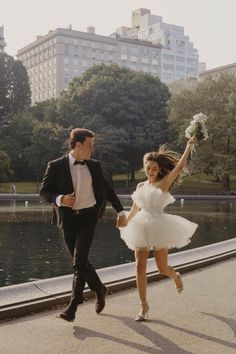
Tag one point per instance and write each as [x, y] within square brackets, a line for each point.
[31, 248]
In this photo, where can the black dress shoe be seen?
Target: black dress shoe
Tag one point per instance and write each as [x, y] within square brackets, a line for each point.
[66, 316]
[101, 294]
[70, 311]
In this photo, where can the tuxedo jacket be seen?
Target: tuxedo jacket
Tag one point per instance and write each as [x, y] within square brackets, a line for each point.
[57, 180]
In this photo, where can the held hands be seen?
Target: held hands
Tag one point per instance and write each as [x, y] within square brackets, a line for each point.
[68, 200]
[121, 221]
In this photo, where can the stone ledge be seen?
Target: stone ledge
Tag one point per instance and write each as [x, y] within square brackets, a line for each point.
[18, 300]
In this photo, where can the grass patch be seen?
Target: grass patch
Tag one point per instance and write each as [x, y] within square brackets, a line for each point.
[196, 184]
[21, 187]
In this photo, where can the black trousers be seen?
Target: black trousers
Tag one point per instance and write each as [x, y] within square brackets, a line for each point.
[78, 239]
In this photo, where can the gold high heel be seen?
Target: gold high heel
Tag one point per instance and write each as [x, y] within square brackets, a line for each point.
[143, 313]
[181, 287]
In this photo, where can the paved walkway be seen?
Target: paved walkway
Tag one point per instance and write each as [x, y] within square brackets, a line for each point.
[201, 320]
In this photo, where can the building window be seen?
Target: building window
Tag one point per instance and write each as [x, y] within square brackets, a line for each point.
[145, 60]
[192, 61]
[123, 57]
[168, 77]
[154, 54]
[145, 52]
[123, 49]
[180, 68]
[133, 59]
[169, 57]
[76, 51]
[169, 67]
[180, 43]
[66, 79]
[180, 59]
[192, 71]
[134, 50]
[180, 77]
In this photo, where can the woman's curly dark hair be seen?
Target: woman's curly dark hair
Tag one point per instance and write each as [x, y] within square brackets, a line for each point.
[166, 160]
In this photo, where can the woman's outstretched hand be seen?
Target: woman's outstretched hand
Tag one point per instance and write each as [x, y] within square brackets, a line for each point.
[192, 141]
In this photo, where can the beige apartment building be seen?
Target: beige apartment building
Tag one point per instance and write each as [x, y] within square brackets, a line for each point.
[53, 60]
[215, 72]
[179, 57]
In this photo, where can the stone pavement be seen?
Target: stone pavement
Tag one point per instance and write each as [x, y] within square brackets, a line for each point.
[201, 320]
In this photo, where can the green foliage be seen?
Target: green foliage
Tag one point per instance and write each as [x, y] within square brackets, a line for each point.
[126, 109]
[14, 88]
[47, 143]
[5, 170]
[17, 140]
[216, 98]
[45, 111]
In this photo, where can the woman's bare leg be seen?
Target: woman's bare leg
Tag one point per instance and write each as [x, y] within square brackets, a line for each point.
[161, 257]
[141, 256]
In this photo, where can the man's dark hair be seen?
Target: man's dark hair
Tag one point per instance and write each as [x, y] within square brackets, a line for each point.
[79, 134]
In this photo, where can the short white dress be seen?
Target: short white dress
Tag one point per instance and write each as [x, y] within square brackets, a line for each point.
[151, 227]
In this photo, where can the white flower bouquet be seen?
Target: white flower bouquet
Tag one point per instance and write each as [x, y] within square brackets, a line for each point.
[197, 127]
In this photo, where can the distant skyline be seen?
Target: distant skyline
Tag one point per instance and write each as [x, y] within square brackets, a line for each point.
[210, 24]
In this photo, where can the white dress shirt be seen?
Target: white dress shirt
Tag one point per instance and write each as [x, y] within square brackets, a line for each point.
[82, 183]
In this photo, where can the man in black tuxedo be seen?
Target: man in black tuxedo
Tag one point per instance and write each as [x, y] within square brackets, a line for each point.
[78, 190]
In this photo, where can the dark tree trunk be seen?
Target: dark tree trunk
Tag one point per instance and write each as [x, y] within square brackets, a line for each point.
[217, 179]
[132, 175]
[226, 182]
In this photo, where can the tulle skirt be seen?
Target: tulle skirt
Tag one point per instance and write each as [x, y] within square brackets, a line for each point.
[157, 230]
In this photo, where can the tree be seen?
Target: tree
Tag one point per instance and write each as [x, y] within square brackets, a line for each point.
[215, 97]
[17, 141]
[31, 144]
[131, 106]
[45, 111]
[5, 170]
[14, 88]
[48, 141]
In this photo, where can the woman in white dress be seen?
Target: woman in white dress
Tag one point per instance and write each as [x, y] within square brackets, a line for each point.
[149, 227]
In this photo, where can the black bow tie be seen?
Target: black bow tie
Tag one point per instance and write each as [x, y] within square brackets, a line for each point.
[79, 162]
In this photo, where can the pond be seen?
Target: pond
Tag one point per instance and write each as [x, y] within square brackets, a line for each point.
[31, 248]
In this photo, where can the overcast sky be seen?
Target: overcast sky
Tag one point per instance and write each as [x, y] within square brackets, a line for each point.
[210, 24]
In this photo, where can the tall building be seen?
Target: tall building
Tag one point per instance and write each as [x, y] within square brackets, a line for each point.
[2, 41]
[53, 60]
[215, 72]
[149, 45]
[179, 58]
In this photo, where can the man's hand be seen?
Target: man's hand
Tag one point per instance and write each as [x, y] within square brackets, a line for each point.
[68, 200]
[121, 221]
